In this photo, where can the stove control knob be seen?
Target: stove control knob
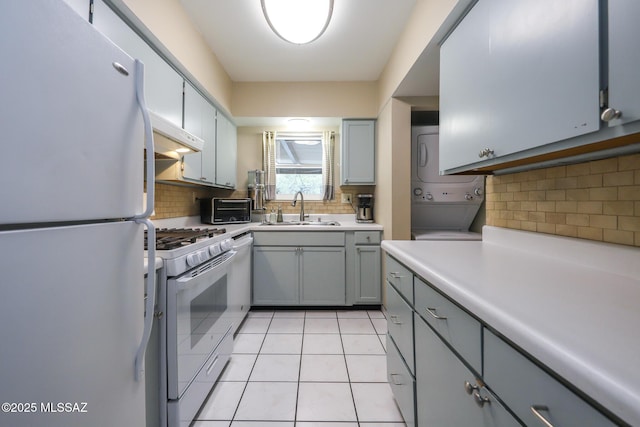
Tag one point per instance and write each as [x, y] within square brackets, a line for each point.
[468, 196]
[417, 191]
[428, 196]
[226, 245]
[478, 191]
[193, 259]
[214, 249]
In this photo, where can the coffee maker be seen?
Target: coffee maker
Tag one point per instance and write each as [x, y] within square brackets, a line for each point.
[364, 209]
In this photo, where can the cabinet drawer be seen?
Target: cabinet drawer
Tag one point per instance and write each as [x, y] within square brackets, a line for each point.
[453, 324]
[367, 237]
[298, 238]
[400, 325]
[523, 385]
[400, 277]
[402, 383]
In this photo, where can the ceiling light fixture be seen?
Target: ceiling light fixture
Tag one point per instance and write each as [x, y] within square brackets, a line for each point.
[296, 21]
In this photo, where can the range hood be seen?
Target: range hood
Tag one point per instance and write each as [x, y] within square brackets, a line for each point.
[171, 140]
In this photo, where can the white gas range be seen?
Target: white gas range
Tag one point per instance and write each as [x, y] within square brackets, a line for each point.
[196, 327]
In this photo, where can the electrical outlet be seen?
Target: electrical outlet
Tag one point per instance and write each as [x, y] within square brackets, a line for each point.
[346, 198]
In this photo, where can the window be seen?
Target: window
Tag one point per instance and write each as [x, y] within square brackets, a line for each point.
[299, 165]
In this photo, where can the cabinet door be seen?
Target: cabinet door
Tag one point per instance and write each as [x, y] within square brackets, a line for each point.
[227, 152]
[535, 78]
[163, 85]
[400, 325]
[624, 60]
[466, 113]
[524, 386]
[402, 383]
[545, 62]
[368, 285]
[275, 276]
[441, 396]
[358, 152]
[199, 119]
[322, 276]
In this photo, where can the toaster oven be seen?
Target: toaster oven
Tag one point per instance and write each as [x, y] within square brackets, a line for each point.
[225, 211]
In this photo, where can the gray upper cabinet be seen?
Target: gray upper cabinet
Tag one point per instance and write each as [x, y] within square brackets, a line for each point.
[200, 120]
[624, 60]
[358, 152]
[226, 154]
[516, 76]
[163, 85]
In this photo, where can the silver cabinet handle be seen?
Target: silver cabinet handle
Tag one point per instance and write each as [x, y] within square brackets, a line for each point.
[210, 368]
[536, 411]
[432, 312]
[486, 152]
[610, 114]
[394, 380]
[470, 388]
[480, 401]
[394, 319]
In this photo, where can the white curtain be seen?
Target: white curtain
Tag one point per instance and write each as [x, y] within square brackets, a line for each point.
[269, 164]
[328, 156]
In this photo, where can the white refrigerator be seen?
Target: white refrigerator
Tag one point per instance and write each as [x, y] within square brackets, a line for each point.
[73, 129]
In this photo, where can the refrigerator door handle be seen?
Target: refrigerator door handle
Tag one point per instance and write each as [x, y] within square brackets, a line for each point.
[148, 140]
[150, 300]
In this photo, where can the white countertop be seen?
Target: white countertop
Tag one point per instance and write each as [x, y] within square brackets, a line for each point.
[347, 223]
[572, 304]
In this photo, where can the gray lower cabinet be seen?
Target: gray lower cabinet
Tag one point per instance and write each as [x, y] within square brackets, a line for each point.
[400, 325]
[367, 287]
[441, 387]
[275, 276]
[534, 395]
[465, 375]
[299, 268]
[402, 383]
[322, 276]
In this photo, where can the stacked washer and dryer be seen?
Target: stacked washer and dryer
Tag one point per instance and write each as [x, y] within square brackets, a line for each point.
[443, 207]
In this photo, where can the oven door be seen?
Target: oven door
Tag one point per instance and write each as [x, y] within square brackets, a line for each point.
[197, 320]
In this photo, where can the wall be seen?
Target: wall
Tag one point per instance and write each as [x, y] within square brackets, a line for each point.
[426, 18]
[598, 200]
[393, 172]
[305, 99]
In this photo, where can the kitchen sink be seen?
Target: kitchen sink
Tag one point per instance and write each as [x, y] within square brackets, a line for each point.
[327, 223]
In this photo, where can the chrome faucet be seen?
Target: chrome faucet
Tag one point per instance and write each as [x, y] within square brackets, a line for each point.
[293, 203]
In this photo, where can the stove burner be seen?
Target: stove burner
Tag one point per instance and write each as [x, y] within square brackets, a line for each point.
[172, 238]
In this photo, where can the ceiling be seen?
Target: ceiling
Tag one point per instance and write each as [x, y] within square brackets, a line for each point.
[355, 47]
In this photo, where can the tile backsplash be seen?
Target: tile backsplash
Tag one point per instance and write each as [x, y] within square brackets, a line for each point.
[173, 201]
[598, 200]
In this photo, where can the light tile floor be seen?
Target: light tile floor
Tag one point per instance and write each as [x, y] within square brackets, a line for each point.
[314, 368]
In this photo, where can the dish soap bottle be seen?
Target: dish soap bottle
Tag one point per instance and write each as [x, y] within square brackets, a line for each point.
[272, 216]
[279, 217]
